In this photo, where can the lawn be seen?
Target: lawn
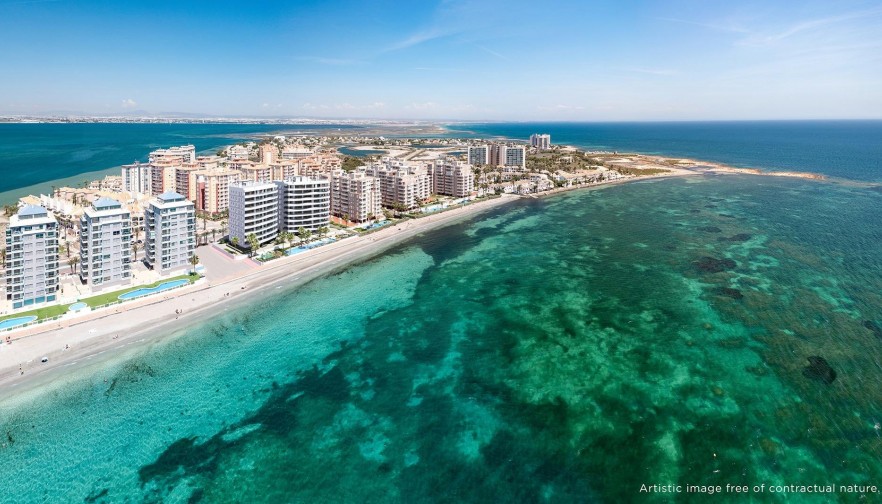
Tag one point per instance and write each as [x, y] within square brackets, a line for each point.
[43, 313]
[111, 297]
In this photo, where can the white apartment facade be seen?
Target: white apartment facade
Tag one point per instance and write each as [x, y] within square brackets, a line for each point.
[182, 154]
[31, 258]
[304, 202]
[452, 178]
[355, 196]
[400, 185]
[106, 244]
[136, 178]
[170, 225]
[540, 141]
[254, 208]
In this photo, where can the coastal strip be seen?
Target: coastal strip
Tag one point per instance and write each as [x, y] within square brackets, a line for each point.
[110, 332]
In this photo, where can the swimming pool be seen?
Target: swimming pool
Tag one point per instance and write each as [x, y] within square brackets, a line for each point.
[17, 321]
[77, 307]
[146, 291]
[304, 248]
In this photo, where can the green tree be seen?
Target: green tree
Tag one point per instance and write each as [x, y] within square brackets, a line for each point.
[135, 251]
[194, 260]
[72, 262]
[253, 243]
[235, 241]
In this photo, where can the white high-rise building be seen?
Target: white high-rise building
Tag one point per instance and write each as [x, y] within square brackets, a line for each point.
[254, 208]
[508, 155]
[452, 178]
[540, 141]
[31, 257]
[355, 196]
[106, 244]
[304, 202]
[402, 185]
[479, 155]
[136, 178]
[182, 154]
[170, 224]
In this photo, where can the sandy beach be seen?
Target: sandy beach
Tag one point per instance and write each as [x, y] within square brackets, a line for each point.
[88, 340]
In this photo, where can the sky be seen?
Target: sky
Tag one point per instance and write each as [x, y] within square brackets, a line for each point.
[452, 59]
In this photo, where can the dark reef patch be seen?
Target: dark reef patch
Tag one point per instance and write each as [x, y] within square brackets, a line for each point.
[873, 327]
[712, 265]
[819, 369]
[728, 292]
[710, 229]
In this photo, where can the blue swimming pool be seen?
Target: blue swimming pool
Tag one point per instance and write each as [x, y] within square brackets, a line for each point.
[146, 291]
[17, 321]
[304, 248]
[77, 307]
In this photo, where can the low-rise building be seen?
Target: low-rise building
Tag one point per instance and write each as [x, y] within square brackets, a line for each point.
[254, 209]
[106, 244]
[31, 257]
[304, 202]
[170, 225]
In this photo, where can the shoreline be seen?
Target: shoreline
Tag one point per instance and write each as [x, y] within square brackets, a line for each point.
[99, 336]
[107, 333]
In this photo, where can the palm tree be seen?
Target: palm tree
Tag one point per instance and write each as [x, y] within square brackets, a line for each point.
[213, 233]
[223, 227]
[3, 256]
[322, 231]
[253, 243]
[135, 250]
[72, 262]
[235, 241]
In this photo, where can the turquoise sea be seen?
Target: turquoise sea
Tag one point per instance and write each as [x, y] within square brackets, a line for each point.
[35, 156]
[706, 330]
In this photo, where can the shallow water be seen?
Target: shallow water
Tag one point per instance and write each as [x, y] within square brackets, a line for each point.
[564, 350]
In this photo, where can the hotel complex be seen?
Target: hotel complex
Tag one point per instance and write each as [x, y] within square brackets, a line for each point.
[106, 244]
[31, 257]
[401, 185]
[452, 178]
[170, 222]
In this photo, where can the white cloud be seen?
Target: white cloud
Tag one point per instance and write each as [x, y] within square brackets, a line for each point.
[129, 103]
[560, 108]
[423, 106]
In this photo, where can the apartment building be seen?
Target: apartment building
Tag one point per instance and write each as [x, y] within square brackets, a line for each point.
[254, 208]
[401, 185]
[452, 178]
[508, 155]
[136, 178]
[182, 154]
[212, 189]
[170, 224]
[106, 244]
[540, 141]
[31, 257]
[479, 155]
[355, 196]
[304, 202]
[163, 176]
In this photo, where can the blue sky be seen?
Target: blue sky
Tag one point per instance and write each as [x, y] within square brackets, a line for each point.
[468, 60]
